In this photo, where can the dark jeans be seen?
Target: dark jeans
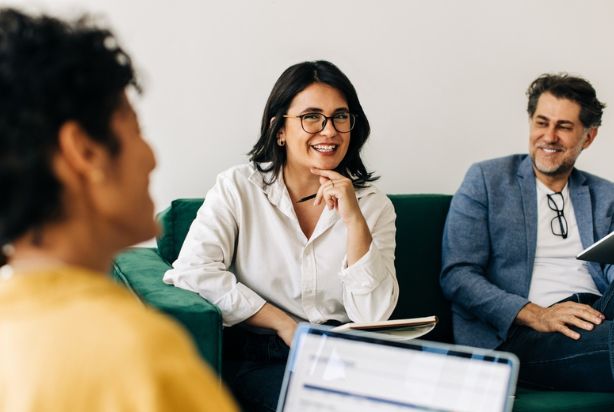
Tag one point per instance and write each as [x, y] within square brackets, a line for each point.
[554, 361]
[253, 367]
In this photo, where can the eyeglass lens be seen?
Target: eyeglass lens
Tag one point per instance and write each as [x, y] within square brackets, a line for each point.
[316, 122]
[558, 224]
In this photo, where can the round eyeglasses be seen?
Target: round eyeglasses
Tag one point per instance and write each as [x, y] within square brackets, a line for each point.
[343, 122]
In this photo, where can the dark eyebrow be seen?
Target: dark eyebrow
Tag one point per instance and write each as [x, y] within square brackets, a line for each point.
[318, 110]
[559, 123]
[312, 110]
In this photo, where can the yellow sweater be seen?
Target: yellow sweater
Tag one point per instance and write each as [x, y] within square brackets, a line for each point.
[72, 340]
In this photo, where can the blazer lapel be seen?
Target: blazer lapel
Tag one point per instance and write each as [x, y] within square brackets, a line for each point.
[583, 211]
[526, 182]
[580, 197]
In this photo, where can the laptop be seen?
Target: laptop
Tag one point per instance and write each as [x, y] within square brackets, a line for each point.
[354, 372]
[601, 251]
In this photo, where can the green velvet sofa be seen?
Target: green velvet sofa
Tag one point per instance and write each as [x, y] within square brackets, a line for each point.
[420, 221]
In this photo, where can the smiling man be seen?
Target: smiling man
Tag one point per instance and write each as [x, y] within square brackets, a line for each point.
[510, 241]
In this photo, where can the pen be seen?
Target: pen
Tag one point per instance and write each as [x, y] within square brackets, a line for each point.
[306, 198]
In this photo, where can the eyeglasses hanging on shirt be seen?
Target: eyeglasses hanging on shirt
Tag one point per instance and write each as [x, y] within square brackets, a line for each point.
[558, 224]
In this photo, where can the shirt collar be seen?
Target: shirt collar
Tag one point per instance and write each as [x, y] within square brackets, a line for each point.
[276, 192]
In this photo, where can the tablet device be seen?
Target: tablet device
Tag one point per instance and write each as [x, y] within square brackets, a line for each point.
[601, 251]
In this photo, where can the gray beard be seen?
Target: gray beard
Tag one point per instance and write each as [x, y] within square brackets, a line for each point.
[563, 169]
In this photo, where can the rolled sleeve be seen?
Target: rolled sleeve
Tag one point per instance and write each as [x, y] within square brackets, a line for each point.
[370, 286]
[239, 304]
[206, 255]
[363, 276]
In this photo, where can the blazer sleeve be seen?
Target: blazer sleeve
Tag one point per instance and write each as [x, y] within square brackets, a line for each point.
[466, 257]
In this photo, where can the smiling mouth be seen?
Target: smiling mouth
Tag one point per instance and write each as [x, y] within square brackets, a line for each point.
[324, 148]
[551, 150]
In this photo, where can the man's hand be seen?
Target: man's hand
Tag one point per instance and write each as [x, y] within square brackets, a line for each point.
[558, 318]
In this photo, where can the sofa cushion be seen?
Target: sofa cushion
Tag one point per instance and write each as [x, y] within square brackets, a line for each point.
[175, 222]
[141, 270]
[420, 221]
[528, 400]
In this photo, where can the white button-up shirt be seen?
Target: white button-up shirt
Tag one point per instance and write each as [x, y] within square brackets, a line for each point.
[246, 247]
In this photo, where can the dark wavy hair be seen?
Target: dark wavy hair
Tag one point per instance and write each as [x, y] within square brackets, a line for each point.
[293, 81]
[51, 72]
[564, 86]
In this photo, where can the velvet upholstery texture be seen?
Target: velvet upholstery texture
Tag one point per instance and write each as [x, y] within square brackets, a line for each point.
[420, 221]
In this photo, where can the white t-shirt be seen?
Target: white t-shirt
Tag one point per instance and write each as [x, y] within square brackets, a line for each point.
[557, 273]
[246, 247]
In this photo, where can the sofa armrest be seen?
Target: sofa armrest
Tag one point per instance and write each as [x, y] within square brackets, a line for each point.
[141, 271]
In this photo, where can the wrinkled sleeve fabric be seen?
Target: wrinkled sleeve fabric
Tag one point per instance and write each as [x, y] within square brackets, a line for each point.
[370, 287]
[207, 254]
[466, 254]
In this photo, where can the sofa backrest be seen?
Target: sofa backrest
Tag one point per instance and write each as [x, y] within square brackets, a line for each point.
[420, 221]
[175, 222]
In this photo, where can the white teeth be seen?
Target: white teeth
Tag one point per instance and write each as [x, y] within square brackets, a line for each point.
[324, 147]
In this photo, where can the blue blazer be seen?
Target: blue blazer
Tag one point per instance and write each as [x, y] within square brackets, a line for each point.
[490, 238]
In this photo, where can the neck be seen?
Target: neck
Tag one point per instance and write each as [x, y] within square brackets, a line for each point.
[300, 182]
[554, 183]
[60, 245]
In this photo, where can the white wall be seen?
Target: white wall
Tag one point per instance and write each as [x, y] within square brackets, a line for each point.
[442, 82]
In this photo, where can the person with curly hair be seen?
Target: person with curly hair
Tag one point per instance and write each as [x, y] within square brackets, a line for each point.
[74, 173]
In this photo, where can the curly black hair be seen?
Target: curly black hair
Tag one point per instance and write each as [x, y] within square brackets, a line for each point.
[51, 71]
[292, 81]
[564, 86]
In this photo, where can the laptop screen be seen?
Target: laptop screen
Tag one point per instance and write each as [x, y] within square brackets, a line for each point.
[332, 371]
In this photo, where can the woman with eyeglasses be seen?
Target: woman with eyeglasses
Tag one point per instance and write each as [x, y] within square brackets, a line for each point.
[298, 234]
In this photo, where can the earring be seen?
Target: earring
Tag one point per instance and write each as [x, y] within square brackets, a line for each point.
[281, 142]
[8, 250]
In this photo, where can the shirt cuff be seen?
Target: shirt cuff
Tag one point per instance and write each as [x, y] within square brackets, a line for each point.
[239, 304]
[365, 274]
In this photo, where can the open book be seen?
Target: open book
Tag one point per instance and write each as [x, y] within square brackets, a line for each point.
[396, 329]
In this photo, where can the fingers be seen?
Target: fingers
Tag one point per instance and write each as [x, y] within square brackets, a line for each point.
[329, 174]
[329, 194]
[578, 322]
[328, 179]
[331, 191]
[568, 332]
[582, 311]
[561, 316]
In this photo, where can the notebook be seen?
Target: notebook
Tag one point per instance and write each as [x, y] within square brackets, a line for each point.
[601, 251]
[354, 372]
